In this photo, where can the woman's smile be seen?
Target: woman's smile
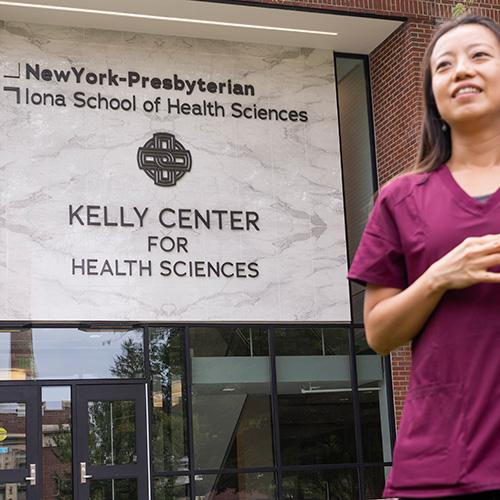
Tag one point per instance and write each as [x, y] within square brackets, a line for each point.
[466, 90]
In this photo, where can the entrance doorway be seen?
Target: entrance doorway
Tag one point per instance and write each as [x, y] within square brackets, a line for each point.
[94, 446]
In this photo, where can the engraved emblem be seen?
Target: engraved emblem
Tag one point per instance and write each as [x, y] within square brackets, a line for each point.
[164, 159]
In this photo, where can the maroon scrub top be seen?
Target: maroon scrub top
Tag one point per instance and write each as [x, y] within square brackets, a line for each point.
[449, 438]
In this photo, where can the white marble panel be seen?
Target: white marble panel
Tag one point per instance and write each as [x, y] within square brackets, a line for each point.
[288, 172]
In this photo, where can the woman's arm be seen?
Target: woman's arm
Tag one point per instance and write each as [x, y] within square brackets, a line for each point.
[393, 317]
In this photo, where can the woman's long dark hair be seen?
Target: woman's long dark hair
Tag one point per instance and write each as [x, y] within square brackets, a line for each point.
[435, 144]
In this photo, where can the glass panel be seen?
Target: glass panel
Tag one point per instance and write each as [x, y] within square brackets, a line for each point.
[374, 404]
[71, 353]
[220, 342]
[14, 491]
[12, 435]
[311, 342]
[374, 482]
[357, 159]
[113, 489]
[231, 398]
[314, 396]
[56, 443]
[112, 432]
[166, 353]
[171, 488]
[258, 486]
[339, 484]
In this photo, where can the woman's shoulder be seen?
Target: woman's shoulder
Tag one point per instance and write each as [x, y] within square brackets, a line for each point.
[403, 186]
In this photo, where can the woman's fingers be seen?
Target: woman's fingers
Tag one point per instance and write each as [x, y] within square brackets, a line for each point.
[488, 277]
[482, 244]
[488, 261]
[470, 262]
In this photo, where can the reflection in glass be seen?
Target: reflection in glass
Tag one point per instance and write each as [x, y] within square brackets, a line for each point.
[171, 488]
[257, 486]
[231, 398]
[228, 341]
[15, 491]
[113, 489]
[71, 353]
[339, 484]
[311, 341]
[169, 433]
[371, 426]
[373, 399]
[56, 443]
[357, 158]
[112, 432]
[315, 407]
[13, 428]
[374, 482]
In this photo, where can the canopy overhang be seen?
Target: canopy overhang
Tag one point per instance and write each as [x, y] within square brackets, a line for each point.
[212, 20]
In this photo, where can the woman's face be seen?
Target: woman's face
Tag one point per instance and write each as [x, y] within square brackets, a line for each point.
[465, 67]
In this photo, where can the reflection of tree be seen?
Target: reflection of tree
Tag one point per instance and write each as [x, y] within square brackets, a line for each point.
[130, 363]
[167, 367]
[374, 482]
[343, 486]
[316, 428]
[166, 360]
[335, 485]
[167, 488]
[124, 489]
[243, 487]
[63, 451]
[112, 433]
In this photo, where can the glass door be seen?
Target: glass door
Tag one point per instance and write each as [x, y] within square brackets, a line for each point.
[20, 475]
[111, 442]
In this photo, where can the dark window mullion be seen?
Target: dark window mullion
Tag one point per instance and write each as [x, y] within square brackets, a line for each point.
[357, 413]
[275, 413]
[149, 402]
[390, 399]
[189, 400]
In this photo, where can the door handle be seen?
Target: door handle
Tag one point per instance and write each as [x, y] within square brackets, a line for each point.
[83, 473]
[32, 477]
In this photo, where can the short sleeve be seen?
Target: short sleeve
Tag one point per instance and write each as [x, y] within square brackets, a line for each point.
[379, 258]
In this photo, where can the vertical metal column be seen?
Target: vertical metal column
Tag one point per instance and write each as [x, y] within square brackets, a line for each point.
[275, 414]
[189, 398]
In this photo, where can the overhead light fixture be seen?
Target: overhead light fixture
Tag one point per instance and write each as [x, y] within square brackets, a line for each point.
[79, 10]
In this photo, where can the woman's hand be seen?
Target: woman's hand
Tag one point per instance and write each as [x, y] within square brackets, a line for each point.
[468, 264]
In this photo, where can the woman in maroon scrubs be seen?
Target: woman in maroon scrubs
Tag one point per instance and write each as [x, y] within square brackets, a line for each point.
[430, 257]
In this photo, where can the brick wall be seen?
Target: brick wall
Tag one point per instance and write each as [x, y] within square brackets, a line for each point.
[396, 93]
[425, 9]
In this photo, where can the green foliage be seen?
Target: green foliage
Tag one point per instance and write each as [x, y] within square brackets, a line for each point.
[461, 8]
[62, 450]
[129, 364]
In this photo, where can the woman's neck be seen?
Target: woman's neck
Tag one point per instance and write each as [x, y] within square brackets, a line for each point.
[475, 147]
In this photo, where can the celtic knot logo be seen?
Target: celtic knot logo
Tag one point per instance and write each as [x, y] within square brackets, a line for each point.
[164, 159]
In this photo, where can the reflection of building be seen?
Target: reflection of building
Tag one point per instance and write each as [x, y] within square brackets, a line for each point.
[274, 405]
[21, 357]
[13, 447]
[56, 431]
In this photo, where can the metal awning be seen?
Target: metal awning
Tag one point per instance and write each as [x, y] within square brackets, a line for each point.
[202, 19]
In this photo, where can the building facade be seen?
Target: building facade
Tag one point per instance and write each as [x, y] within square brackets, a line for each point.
[183, 187]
